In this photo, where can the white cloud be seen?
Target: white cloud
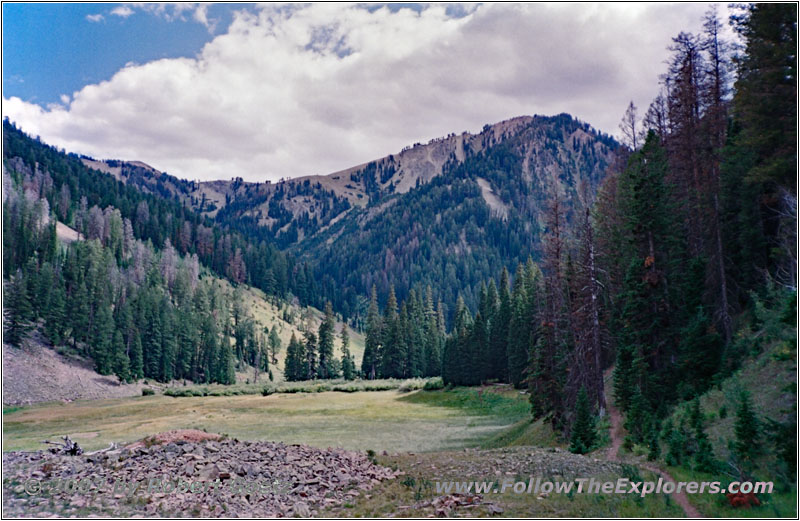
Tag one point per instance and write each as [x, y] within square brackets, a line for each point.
[295, 90]
[95, 17]
[200, 15]
[123, 11]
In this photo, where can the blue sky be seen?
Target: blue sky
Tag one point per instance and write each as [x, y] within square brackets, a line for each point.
[54, 49]
[209, 91]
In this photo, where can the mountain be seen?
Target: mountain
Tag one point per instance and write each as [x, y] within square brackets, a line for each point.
[449, 213]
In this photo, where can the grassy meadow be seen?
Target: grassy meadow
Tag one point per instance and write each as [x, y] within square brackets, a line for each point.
[386, 420]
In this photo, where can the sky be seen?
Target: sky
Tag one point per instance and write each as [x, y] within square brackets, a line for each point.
[268, 91]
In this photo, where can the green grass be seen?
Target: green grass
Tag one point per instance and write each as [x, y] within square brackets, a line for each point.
[500, 402]
[781, 503]
[313, 386]
[416, 487]
[388, 420]
[525, 432]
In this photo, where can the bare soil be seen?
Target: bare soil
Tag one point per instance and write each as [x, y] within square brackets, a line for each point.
[36, 373]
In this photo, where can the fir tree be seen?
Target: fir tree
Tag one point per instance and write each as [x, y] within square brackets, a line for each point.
[348, 365]
[748, 431]
[136, 365]
[274, 344]
[326, 335]
[121, 364]
[370, 364]
[499, 332]
[703, 451]
[55, 315]
[518, 344]
[102, 340]
[309, 359]
[584, 430]
[18, 311]
[292, 362]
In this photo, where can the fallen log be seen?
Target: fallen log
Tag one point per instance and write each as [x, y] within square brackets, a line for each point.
[68, 447]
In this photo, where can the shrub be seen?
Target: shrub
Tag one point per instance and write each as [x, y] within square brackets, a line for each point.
[434, 384]
[146, 391]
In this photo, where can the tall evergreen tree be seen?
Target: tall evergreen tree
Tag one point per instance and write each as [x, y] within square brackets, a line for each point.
[18, 311]
[326, 339]
[373, 343]
[348, 364]
[584, 430]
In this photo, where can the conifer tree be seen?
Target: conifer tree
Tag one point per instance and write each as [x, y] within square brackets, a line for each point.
[348, 364]
[309, 360]
[703, 451]
[499, 332]
[373, 342]
[456, 360]
[326, 339]
[136, 365]
[584, 430]
[102, 340]
[292, 363]
[55, 315]
[747, 430]
[18, 311]
[518, 344]
[121, 364]
[274, 344]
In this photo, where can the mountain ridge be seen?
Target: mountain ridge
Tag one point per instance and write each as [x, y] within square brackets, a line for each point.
[361, 185]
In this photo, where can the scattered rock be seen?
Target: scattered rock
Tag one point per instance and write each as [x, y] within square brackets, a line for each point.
[311, 478]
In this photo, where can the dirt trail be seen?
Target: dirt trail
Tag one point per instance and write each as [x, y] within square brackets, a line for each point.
[616, 442]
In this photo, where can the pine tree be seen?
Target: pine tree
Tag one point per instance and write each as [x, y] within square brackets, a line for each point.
[652, 255]
[18, 311]
[477, 348]
[499, 332]
[136, 366]
[703, 451]
[348, 365]
[326, 336]
[309, 366]
[55, 316]
[584, 430]
[102, 340]
[373, 342]
[748, 431]
[292, 362]
[676, 442]
[456, 360]
[274, 344]
[121, 364]
[518, 344]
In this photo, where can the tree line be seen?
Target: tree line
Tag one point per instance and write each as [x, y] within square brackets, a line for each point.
[314, 357]
[72, 189]
[134, 311]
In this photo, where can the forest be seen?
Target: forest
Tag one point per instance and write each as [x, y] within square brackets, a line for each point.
[670, 258]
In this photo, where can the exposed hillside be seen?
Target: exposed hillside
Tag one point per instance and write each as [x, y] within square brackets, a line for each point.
[447, 213]
[38, 373]
[463, 226]
[294, 209]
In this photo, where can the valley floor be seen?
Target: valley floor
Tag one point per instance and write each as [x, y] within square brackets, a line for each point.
[415, 439]
[386, 420]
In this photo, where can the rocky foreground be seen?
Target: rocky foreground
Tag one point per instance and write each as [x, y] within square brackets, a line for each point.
[187, 476]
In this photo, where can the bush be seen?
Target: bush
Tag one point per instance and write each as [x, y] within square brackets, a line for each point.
[267, 390]
[146, 391]
[434, 384]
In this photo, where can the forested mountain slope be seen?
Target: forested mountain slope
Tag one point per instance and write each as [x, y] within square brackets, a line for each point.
[447, 213]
